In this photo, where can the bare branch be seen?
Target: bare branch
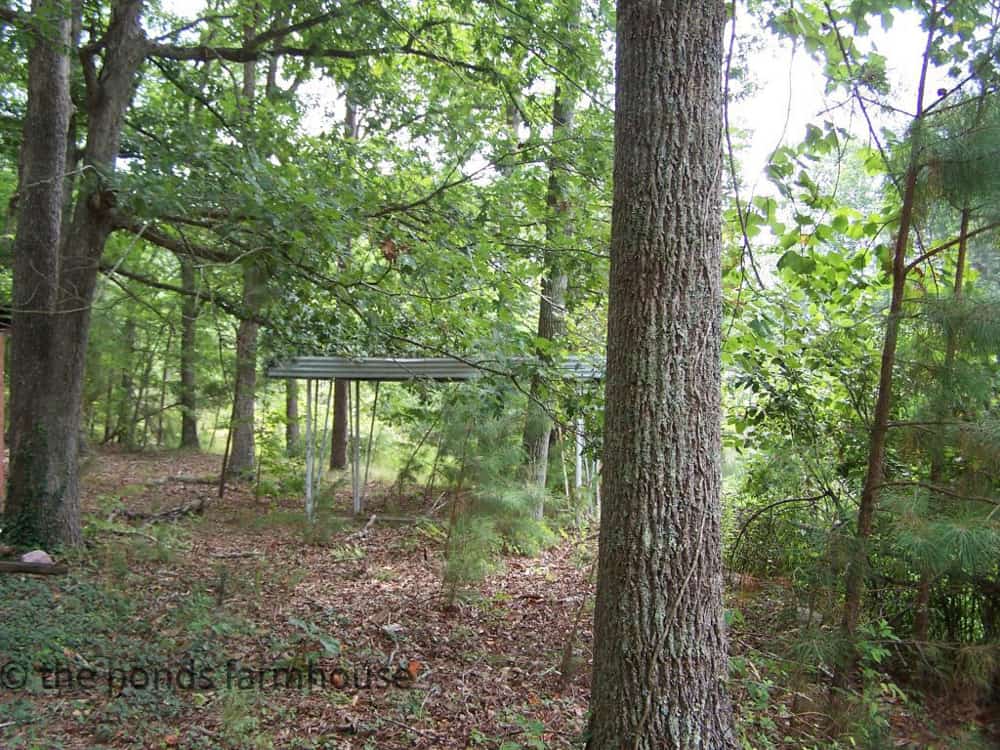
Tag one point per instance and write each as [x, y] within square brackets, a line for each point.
[951, 243]
[222, 303]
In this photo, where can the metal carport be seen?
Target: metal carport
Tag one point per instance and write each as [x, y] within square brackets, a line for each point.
[390, 369]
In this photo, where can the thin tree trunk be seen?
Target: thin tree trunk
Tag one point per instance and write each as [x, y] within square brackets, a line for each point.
[341, 388]
[163, 388]
[138, 411]
[292, 417]
[338, 447]
[552, 307]
[857, 568]
[123, 425]
[189, 332]
[108, 409]
[660, 664]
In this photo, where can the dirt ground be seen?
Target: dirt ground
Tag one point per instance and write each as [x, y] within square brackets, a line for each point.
[248, 599]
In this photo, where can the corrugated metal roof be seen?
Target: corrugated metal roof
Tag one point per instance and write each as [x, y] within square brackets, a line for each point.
[392, 369]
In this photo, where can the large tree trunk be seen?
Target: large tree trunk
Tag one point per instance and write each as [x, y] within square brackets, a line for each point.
[338, 446]
[552, 307]
[660, 662]
[189, 329]
[58, 273]
[42, 505]
[292, 439]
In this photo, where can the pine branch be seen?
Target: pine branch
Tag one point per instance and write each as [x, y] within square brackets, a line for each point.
[937, 489]
[945, 246]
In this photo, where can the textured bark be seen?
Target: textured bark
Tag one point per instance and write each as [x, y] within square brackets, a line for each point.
[56, 272]
[189, 385]
[293, 442]
[42, 465]
[338, 446]
[241, 456]
[660, 661]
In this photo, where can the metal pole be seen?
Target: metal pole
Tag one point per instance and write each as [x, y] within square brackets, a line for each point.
[357, 447]
[321, 458]
[579, 452]
[309, 450]
[368, 450]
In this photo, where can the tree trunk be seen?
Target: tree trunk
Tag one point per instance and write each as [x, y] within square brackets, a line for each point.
[660, 662]
[189, 386]
[292, 440]
[123, 427]
[338, 446]
[42, 505]
[552, 307]
[164, 376]
[857, 567]
[57, 274]
[241, 456]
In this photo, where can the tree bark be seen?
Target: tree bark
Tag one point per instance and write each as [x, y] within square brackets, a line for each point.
[660, 662]
[292, 439]
[57, 272]
[42, 505]
[338, 446]
[241, 457]
[189, 330]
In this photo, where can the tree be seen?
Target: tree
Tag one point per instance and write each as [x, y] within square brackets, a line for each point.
[189, 322]
[45, 407]
[552, 305]
[338, 444]
[660, 659]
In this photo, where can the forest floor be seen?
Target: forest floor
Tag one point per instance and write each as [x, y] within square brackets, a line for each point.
[192, 633]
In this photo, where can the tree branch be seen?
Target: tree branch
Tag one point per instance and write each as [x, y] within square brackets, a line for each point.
[152, 233]
[222, 303]
[951, 243]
